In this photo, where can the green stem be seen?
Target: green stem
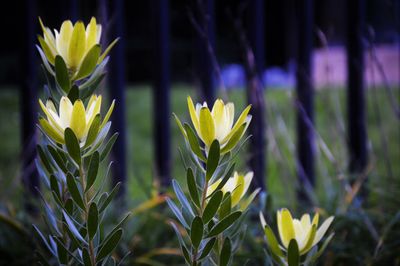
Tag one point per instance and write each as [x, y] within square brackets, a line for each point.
[86, 203]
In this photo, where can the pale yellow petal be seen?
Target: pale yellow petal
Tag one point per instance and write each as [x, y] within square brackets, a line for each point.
[77, 45]
[322, 230]
[285, 227]
[306, 221]
[91, 34]
[78, 119]
[237, 192]
[242, 119]
[315, 219]
[63, 39]
[193, 114]
[50, 116]
[65, 111]
[207, 128]
[108, 114]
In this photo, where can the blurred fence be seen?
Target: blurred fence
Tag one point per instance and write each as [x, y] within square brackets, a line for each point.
[252, 39]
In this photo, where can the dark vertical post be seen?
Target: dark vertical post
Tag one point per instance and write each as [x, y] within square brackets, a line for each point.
[203, 61]
[116, 85]
[255, 92]
[28, 100]
[161, 91]
[305, 95]
[357, 134]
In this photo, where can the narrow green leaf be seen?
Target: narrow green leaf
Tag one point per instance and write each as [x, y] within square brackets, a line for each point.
[62, 76]
[109, 245]
[67, 250]
[212, 206]
[57, 158]
[74, 191]
[92, 170]
[293, 256]
[194, 142]
[226, 252]
[177, 212]
[181, 197]
[224, 223]
[322, 248]
[107, 148]
[272, 241]
[93, 131]
[73, 94]
[54, 186]
[69, 206]
[226, 206]
[213, 159]
[182, 244]
[61, 252]
[89, 62]
[71, 226]
[93, 219]
[43, 158]
[196, 231]
[110, 197]
[86, 257]
[72, 144]
[207, 248]
[192, 186]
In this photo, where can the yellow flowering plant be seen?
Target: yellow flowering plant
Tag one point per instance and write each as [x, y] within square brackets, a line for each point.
[299, 238]
[213, 213]
[74, 145]
[73, 52]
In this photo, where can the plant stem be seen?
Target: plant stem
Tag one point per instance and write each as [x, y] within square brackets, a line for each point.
[86, 203]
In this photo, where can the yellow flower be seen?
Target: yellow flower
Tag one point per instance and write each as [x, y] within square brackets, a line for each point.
[74, 44]
[304, 231]
[74, 116]
[236, 185]
[218, 124]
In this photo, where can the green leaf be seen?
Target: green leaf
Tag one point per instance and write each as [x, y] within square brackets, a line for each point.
[62, 76]
[293, 256]
[322, 249]
[57, 158]
[73, 94]
[182, 244]
[71, 226]
[192, 186]
[212, 206]
[89, 62]
[107, 148]
[93, 131]
[272, 241]
[93, 219]
[194, 142]
[207, 248]
[54, 186]
[92, 170]
[226, 206]
[109, 244]
[177, 212]
[110, 197]
[226, 252]
[224, 223]
[69, 206]
[61, 252]
[196, 232]
[67, 250]
[181, 197]
[74, 191]
[72, 145]
[86, 257]
[43, 158]
[212, 160]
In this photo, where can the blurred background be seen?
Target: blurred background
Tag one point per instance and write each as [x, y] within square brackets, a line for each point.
[324, 81]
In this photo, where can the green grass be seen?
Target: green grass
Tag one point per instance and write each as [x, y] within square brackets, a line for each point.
[281, 175]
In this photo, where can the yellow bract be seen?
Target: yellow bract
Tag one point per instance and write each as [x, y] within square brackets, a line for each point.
[304, 231]
[236, 185]
[74, 116]
[218, 123]
[72, 43]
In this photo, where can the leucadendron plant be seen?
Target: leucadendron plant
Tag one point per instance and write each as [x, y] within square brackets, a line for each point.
[73, 146]
[211, 218]
[299, 238]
